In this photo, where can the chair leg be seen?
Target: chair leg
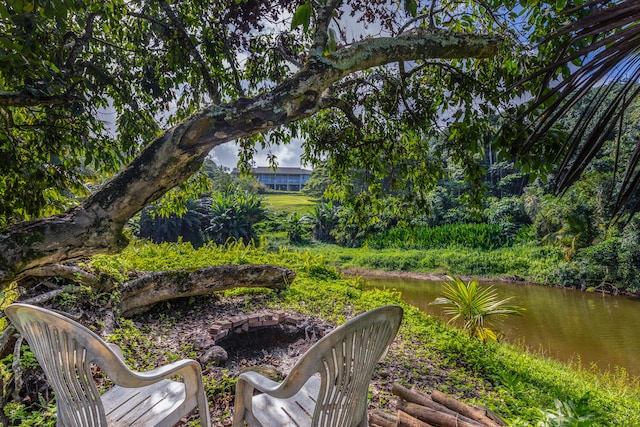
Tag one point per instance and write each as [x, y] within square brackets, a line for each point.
[203, 409]
[244, 394]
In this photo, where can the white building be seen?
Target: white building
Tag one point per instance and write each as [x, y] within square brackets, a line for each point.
[282, 179]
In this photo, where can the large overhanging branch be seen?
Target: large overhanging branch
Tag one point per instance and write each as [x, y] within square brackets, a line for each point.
[96, 225]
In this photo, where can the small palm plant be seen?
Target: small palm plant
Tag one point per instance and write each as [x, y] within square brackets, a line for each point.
[474, 305]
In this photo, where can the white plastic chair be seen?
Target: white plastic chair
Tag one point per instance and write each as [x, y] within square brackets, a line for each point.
[66, 350]
[328, 386]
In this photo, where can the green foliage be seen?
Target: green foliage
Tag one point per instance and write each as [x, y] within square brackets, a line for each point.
[188, 227]
[475, 306]
[536, 264]
[318, 182]
[296, 227]
[569, 414]
[289, 203]
[324, 219]
[509, 380]
[220, 389]
[568, 221]
[232, 216]
[474, 236]
[140, 352]
[611, 265]
[43, 413]
[509, 213]
[85, 85]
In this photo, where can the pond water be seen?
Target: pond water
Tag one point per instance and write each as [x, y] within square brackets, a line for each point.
[561, 323]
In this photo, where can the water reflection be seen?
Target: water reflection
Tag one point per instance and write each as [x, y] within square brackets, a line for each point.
[564, 324]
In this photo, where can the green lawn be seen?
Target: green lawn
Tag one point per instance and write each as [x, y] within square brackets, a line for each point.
[290, 202]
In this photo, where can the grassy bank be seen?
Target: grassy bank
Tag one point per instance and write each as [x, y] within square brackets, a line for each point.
[513, 383]
[536, 264]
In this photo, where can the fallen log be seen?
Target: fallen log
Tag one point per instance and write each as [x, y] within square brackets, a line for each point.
[406, 420]
[463, 408]
[489, 413]
[436, 418]
[378, 418]
[423, 399]
[137, 296]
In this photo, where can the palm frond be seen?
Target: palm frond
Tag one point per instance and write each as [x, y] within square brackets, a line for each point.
[473, 304]
[606, 43]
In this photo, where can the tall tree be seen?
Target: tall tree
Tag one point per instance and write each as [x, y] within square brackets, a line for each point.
[145, 89]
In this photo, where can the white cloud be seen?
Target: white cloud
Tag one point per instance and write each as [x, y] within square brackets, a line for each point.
[287, 155]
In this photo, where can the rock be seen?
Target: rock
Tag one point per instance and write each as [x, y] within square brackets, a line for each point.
[203, 341]
[215, 354]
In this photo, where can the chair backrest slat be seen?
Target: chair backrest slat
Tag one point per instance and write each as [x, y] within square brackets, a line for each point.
[345, 360]
[60, 345]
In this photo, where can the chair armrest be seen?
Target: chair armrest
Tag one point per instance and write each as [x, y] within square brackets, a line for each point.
[259, 382]
[287, 388]
[189, 369]
[116, 349]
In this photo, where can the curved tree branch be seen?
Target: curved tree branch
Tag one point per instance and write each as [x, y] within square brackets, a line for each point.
[330, 102]
[69, 272]
[286, 54]
[80, 42]
[323, 18]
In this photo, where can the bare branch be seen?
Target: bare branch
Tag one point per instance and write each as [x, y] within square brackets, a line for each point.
[68, 272]
[286, 55]
[80, 42]
[149, 18]
[16, 367]
[344, 107]
[232, 63]
[419, 43]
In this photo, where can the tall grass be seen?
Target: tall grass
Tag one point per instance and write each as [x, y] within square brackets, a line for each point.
[536, 264]
[477, 236]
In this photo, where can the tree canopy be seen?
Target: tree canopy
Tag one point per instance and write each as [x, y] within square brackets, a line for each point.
[108, 106]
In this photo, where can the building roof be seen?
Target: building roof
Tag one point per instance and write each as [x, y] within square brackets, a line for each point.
[280, 171]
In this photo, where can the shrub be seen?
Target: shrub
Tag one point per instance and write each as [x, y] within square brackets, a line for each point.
[475, 306]
[297, 227]
[233, 216]
[188, 227]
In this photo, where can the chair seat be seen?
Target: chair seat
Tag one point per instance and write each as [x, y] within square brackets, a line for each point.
[143, 406]
[295, 411]
[328, 385]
